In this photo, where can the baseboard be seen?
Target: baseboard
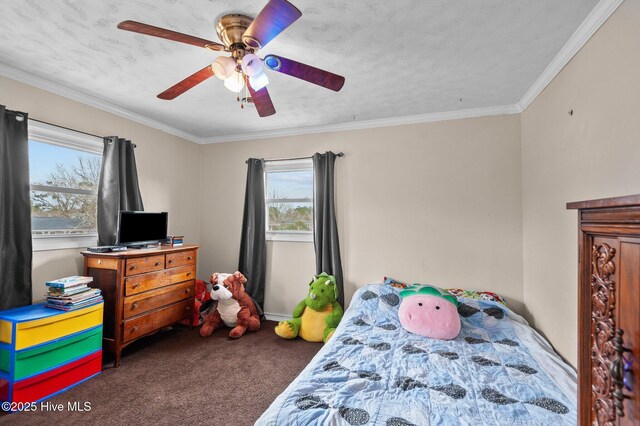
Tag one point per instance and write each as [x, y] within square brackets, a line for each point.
[276, 317]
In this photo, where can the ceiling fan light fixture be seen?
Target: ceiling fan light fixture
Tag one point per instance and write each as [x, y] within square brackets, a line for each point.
[235, 82]
[251, 65]
[259, 81]
[223, 67]
[240, 69]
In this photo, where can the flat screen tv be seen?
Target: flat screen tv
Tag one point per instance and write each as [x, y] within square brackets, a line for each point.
[137, 228]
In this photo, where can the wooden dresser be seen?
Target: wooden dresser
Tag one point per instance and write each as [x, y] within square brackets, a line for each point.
[609, 317]
[144, 290]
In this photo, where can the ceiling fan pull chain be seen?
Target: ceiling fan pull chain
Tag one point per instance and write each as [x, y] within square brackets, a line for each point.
[246, 82]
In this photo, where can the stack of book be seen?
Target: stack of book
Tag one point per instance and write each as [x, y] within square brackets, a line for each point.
[177, 240]
[71, 293]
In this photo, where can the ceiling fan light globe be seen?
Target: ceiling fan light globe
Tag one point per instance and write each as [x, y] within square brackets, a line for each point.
[251, 65]
[223, 67]
[259, 81]
[217, 71]
[235, 82]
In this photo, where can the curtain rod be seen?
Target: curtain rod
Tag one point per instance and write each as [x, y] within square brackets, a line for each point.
[17, 114]
[67, 128]
[340, 154]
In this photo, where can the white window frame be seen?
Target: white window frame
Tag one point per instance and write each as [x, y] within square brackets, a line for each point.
[53, 135]
[302, 164]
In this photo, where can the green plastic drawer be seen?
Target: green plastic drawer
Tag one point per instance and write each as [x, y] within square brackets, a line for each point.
[5, 359]
[36, 360]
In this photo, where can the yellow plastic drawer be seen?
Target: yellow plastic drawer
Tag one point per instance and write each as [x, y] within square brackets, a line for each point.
[6, 328]
[41, 330]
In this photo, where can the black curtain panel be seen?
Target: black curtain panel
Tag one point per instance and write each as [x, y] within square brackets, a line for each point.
[15, 211]
[118, 187]
[253, 245]
[325, 230]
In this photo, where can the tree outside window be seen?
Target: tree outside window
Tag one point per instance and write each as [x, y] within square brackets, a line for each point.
[64, 187]
[289, 200]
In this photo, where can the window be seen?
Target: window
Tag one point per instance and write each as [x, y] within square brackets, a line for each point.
[64, 168]
[289, 199]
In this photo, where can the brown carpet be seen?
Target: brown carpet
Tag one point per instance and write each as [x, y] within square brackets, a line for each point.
[178, 377]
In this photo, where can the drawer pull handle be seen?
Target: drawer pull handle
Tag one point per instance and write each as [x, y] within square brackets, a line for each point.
[135, 327]
[136, 285]
[189, 258]
[188, 274]
[187, 308]
[132, 267]
[157, 264]
[134, 306]
[99, 261]
[170, 261]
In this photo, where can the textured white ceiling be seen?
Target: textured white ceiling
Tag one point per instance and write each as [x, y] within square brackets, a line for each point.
[399, 58]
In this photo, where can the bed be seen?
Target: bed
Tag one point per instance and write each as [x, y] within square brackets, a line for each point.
[372, 372]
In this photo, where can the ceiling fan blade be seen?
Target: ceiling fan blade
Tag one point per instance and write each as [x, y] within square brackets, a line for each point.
[271, 21]
[139, 27]
[304, 72]
[186, 84]
[262, 101]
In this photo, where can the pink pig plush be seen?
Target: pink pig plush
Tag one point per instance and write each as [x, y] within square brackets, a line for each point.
[429, 311]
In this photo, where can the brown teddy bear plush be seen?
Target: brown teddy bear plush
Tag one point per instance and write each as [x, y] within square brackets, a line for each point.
[235, 307]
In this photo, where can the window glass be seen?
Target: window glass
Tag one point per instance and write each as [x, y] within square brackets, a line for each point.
[291, 184]
[289, 187]
[61, 166]
[64, 184]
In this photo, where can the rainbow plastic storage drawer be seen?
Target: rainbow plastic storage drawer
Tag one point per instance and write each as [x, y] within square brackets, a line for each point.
[44, 351]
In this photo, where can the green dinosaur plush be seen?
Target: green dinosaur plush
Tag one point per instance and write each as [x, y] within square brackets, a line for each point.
[317, 316]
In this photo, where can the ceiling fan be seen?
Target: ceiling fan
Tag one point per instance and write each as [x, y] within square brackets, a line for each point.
[242, 36]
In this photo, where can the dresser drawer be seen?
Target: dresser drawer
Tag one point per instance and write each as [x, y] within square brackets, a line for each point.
[153, 280]
[187, 257]
[102, 263]
[143, 324]
[140, 265]
[141, 303]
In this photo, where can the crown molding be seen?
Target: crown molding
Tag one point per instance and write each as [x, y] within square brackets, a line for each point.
[69, 93]
[579, 38]
[369, 124]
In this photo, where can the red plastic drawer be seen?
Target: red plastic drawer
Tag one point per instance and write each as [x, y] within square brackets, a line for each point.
[46, 384]
[4, 389]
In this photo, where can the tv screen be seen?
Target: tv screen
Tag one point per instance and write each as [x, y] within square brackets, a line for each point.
[139, 228]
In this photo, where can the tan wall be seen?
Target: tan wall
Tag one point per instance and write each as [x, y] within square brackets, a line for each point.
[415, 202]
[435, 202]
[174, 190]
[594, 153]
